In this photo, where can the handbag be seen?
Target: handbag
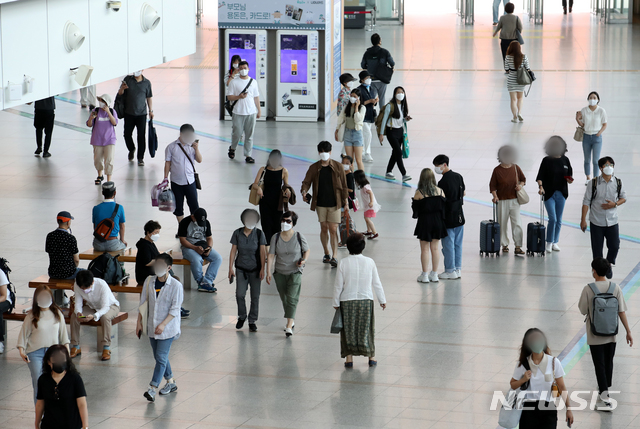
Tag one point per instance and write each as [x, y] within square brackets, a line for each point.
[254, 198]
[519, 37]
[521, 195]
[522, 76]
[336, 324]
[579, 134]
[195, 175]
[229, 106]
[143, 309]
[405, 143]
[509, 416]
[153, 139]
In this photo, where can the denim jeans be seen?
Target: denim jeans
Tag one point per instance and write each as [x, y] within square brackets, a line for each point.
[35, 367]
[161, 349]
[598, 235]
[555, 207]
[496, 8]
[215, 260]
[591, 147]
[452, 249]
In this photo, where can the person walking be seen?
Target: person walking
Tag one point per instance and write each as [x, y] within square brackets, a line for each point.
[496, 9]
[352, 119]
[601, 200]
[375, 57]
[288, 254]
[245, 98]
[564, 6]
[554, 175]
[88, 97]
[347, 84]
[452, 184]
[43, 119]
[428, 204]
[248, 256]
[356, 281]
[538, 369]
[138, 95]
[396, 115]
[369, 203]
[509, 26]
[42, 327]
[506, 180]
[102, 122]
[593, 119]
[369, 99]
[513, 61]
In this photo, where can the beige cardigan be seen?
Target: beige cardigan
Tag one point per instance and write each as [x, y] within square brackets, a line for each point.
[358, 118]
[49, 332]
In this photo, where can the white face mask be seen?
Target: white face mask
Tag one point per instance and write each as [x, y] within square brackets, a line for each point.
[103, 104]
[236, 65]
[400, 96]
[593, 102]
[138, 73]
[608, 170]
[45, 302]
[346, 167]
[325, 156]
[250, 225]
[352, 84]
[285, 226]
[155, 237]
[89, 289]
[353, 100]
[244, 72]
[438, 170]
[367, 81]
[160, 270]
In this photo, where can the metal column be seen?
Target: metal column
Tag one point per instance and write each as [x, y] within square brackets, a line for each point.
[198, 12]
[467, 12]
[535, 11]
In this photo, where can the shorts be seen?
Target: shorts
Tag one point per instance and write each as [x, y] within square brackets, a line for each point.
[353, 138]
[328, 214]
[370, 213]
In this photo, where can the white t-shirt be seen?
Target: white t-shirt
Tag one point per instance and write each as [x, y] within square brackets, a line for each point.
[3, 282]
[541, 380]
[593, 121]
[398, 123]
[244, 106]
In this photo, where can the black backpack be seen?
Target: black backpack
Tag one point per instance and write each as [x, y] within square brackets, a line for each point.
[107, 268]
[11, 290]
[594, 188]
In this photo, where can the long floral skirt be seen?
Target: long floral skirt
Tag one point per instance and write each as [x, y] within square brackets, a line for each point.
[356, 337]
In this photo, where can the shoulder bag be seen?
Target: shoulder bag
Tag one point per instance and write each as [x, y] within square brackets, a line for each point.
[579, 134]
[518, 33]
[195, 175]
[228, 105]
[254, 198]
[511, 411]
[523, 197]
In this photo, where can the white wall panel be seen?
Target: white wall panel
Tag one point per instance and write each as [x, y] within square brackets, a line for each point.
[108, 41]
[2, 95]
[145, 48]
[178, 29]
[24, 47]
[60, 61]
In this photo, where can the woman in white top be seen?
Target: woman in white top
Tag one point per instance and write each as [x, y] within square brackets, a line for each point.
[593, 119]
[535, 374]
[43, 327]
[396, 114]
[356, 280]
[352, 117]
[233, 72]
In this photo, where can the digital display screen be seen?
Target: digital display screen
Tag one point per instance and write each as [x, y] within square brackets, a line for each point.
[293, 58]
[245, 46]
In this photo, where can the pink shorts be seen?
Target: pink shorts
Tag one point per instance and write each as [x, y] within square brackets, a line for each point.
[370, 213]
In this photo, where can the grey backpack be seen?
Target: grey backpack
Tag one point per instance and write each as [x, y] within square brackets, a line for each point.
[604, 319]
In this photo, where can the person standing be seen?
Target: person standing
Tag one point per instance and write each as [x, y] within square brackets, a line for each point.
[356, 281]
[102, 122]
[330, 193]
[374, 57]
[396, 114]
[554, 175]
[496, 9]
[233, 72]
[513, 61]
[593, 119]
[369, 204]
[347, 84]
[179, 158]
[64, 257]
[564, 6]
[138, 96]
[368, 98]
[452, 184]
[43, 119]
[106, 210]
[351, 118]
[5, 299]
[601, 200]
[245, 98]
[508, 26]
[506, 180]
[88, 97]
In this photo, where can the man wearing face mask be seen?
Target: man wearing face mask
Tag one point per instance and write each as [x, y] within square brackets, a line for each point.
[64, 257]
[179, 161]
[330, 192]
[137, 93]
[374, 57]
[601, 200]
[102, 305]
[245, 99]
[369, 98]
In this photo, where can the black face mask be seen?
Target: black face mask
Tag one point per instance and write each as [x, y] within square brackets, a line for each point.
[59, 367]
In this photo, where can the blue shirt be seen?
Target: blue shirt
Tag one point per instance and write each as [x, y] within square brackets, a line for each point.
[104, 211]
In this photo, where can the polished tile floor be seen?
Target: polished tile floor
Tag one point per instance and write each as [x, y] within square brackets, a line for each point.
[443, 348]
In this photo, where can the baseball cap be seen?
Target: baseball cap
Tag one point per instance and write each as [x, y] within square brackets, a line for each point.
[201, 216]
[64, 216]
[108, 186]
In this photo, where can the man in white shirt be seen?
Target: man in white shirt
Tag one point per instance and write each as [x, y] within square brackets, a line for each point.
[179, 161]
[245, 99]
[102, 305]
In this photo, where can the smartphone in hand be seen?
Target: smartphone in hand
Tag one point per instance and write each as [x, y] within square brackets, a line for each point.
[139, 333]
[232, 278]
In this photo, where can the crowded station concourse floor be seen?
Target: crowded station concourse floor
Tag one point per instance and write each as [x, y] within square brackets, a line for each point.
[444, 347]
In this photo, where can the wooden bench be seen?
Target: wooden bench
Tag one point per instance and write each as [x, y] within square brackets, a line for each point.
[57, 284]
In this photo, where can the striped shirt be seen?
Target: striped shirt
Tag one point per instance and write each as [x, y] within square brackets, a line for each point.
[512, 79]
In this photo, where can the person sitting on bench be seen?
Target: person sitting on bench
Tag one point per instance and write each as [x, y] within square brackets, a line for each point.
[197, 245]
[105, 211]
[64, 257]
[102, 305]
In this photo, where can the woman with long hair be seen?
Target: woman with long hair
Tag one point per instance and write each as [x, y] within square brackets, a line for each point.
[593, 119]
[512, 62]
[396, 114]
[43, 327]
[535, 374]
[428, 207]
[233, 72]
[62, 398]
[352, 117]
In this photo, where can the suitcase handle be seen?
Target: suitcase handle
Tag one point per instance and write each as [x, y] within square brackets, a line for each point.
[495, 212]
[542, 210]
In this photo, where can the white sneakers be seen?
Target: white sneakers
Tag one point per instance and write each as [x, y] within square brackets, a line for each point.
[390, 175]
[367, 158]
[423, 278]
[555, 247]
[433, 277]
[548, 247]
[603, 403]
[453, 275]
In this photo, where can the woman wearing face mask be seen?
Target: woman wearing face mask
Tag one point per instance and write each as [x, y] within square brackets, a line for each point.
[248, 255]
[593, 119]
[554, 175]
[347, 84]
[62, 399]
[352, 118]
[396, 114]
[102, 122]
[535, 374]
[288, 254]
[272, 183]
[43, 327]
[233, 72]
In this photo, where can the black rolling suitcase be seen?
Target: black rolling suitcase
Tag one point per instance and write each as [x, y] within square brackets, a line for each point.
[490, 235]
[536, 233]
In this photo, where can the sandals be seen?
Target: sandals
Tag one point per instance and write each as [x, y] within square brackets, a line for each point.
[373, 236]
[366, 234]
[333, 262]
[326, 259]
[232, 153]
[99, 180]
[348, 364]
[373, 363]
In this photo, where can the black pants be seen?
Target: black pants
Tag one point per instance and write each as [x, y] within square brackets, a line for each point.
[140, 123]
[535, 418]
[43, 121]
[564, 3]
[4, 306]
[396, 138]
[602, 356]
[504, 45]
[598, 235]
[182, 191]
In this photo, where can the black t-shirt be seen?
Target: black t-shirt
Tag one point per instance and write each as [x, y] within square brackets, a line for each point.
[61, 246]
[196, 235]
[147, 252]
[453, 186]
[159, 286]
[326, 193]
[552, 172]
[351, 184]
[61, 411]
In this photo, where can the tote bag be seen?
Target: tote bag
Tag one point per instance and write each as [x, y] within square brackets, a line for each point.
[254, 198]
[336, 324]
[405, 143]
[510, 413]
[579, 134]
[523, 197]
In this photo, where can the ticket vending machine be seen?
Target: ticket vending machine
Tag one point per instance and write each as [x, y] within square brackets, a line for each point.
[297, 97]
[251, 45]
